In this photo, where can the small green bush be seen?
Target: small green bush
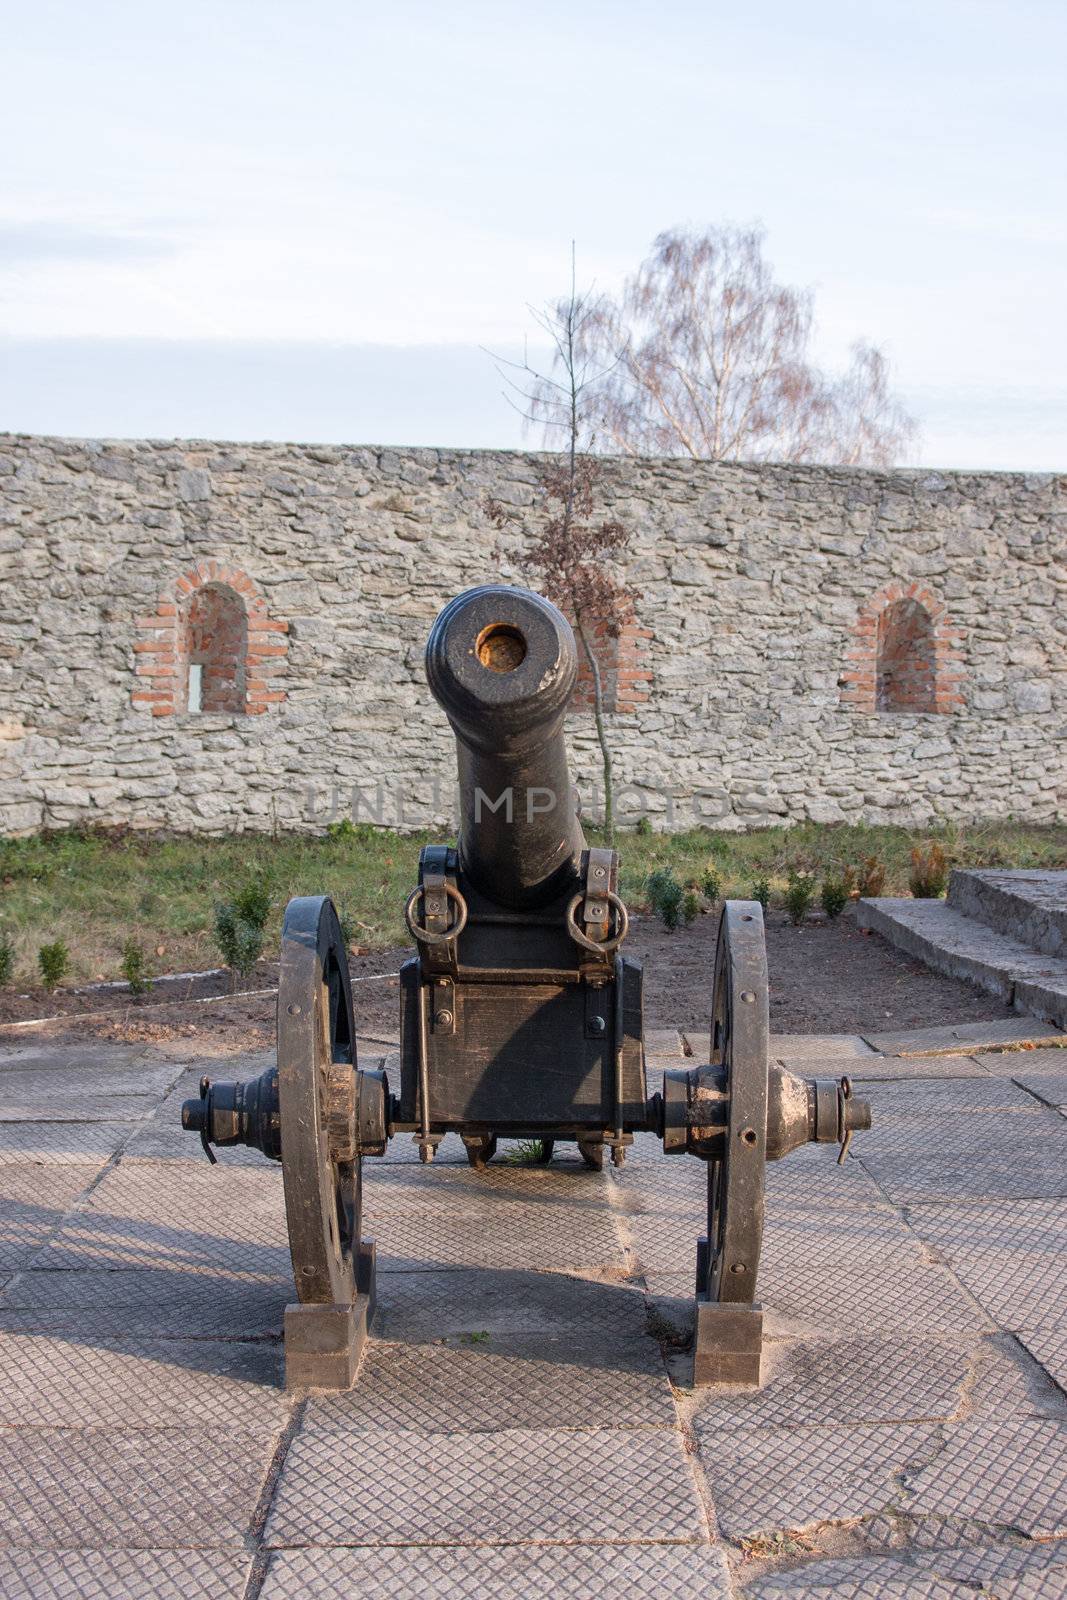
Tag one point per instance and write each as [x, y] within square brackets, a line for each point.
[135, 967]
[761, 892]
[666, 897]
[799, 896]
[711, 887]
[53, 960]
[240, 943]
[690, 906]
[7, 958]
[347, 924]
[929, 872]
[834, 895]
[644, 827]
[251, 902]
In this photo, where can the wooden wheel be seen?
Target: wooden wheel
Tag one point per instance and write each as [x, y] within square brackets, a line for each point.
[739, 1045]
[317, 1104]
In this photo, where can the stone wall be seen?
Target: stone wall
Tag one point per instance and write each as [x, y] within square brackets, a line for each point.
[762, 590]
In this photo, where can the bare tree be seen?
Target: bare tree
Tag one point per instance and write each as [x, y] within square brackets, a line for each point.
[568, 548]
[706, 355]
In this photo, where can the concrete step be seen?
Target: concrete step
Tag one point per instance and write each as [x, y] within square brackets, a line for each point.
[1027, 905]
[962, 947]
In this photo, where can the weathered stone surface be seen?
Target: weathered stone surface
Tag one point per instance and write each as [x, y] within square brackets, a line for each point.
[1029, 905]
[55, 1381]
[965, 1036]
[133, 1574]
[490, 1381]
[515, 1485]
[573, 1572]
[92, 1488]
[757, 586]
[956, 1574]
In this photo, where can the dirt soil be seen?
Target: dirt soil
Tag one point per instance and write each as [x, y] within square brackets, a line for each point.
[825, 977]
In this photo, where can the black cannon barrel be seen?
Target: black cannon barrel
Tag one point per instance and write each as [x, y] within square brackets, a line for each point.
[502, 663]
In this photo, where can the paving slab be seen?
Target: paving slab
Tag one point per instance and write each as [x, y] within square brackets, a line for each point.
[1049, 1347]
[76, 1094]
[110, 1057]
[771, 1480]
[1009, 1255]
[942, 1097]
[54, 1380]
[1012, 1155]
[425, 1306]
[671, 1572]
[1008, 1380]
[1010, 1473]
[34, 1201]
[897, 1069]
[489, 1381]
[826, 1294]
[516, 1485]
[74, 1144]
[74, 1488]
[966, 1036]
[438, 1238]
[861, 1380]
[200, 1218]
[146, 1303]
[807, 1179]
[791, 1047]
[129, 1574]
[1007, 1574]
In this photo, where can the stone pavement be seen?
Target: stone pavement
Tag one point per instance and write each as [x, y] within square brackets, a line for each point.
[515, 1430]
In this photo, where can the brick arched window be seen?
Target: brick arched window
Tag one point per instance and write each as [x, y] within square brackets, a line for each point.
[213, 643]
[905, 667]
[211, 646]
[904, 655]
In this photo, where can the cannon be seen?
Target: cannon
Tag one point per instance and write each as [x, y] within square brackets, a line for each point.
[519, 1018]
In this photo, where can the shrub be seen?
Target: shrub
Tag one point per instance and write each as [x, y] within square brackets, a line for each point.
[135, 967]
[347, 924]
[690, 906]
[711, 886]
[761, 891]
[665, 896]
[799, 896]
[240, 943]
[251, 902]
[929, 872]
[643, 827]
[871, 878]
[7, 958]
[53, 960]
[834, 895]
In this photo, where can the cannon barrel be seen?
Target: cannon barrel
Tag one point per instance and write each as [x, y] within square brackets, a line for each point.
[502, 663]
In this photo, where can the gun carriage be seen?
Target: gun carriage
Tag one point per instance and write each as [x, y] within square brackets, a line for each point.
[519, 1017]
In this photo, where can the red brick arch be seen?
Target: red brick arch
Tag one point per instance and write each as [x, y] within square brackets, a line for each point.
[212, 612]
[903, 656]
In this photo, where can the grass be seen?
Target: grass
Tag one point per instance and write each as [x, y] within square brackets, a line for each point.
[97, 890]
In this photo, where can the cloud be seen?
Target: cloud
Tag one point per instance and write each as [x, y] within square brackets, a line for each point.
[23, 243]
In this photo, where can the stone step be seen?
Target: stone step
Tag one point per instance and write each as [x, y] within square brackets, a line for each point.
[1030, 906]
[962, 947]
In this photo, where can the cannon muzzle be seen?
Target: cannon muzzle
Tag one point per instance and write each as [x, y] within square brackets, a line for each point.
[502, 664]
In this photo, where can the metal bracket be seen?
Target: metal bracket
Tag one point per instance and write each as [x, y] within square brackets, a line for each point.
[601, 868]
[438, 867]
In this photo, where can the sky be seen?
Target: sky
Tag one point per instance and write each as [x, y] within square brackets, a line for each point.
[310, 220]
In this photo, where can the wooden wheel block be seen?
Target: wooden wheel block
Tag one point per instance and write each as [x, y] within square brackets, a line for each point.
[727, 1343]
[323, 1344]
